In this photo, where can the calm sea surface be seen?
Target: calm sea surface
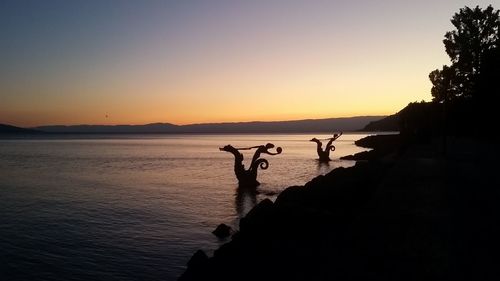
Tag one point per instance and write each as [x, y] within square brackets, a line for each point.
[132, 207]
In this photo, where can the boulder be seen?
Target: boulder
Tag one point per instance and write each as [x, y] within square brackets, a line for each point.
[222, 231]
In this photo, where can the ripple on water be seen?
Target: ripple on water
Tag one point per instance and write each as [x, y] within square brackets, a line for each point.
[135, 208]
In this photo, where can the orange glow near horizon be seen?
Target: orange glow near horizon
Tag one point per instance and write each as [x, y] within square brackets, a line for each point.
[290, 96]
[206, 63]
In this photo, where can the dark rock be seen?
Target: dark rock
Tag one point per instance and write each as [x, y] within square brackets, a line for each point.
[198, 259]
[361, 156]
[381, 146]
[384, 142]
[222, 231]
[197, 266]
[259, 218]
[291, 196]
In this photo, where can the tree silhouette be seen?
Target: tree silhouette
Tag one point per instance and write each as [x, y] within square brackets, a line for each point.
[444, 83]
[475, 38]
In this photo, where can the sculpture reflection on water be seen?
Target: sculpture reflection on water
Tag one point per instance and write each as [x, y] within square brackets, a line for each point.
[324, 155]
[244, 200]
[248, 177]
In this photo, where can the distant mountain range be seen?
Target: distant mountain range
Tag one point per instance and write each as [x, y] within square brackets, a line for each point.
[8, 129]
[297, 126]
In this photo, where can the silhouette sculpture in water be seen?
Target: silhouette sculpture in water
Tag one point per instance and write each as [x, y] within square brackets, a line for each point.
[324, 155]
[248, 178]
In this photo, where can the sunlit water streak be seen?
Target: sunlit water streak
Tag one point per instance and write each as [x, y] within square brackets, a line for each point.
[132, 207]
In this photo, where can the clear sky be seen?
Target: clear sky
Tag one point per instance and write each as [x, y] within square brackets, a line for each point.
[136, 62]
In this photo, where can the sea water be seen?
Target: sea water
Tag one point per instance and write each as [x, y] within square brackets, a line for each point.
[133, 207]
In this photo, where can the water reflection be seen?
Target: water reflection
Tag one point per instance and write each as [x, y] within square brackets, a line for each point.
[324, 167]
[245, 200]
[138, 204]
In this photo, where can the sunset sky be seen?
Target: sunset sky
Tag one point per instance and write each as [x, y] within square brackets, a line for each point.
[136, 62]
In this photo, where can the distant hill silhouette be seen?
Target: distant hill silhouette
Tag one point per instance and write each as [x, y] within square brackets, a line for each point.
[389, 123]
[297, 126]
[8, 129]
[111, 129]
[421, 120]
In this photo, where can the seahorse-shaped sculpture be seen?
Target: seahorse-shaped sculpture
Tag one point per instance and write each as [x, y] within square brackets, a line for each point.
[324, 155]
[248, 178]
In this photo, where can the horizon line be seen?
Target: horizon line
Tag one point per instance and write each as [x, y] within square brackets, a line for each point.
[206, 123]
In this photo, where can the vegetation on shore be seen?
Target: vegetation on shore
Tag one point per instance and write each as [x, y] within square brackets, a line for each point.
[464, 92]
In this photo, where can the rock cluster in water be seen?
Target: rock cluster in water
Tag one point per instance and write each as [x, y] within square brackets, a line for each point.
[409, 215]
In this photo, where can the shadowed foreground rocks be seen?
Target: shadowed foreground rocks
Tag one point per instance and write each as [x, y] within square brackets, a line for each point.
[222, 231]
[406, 215]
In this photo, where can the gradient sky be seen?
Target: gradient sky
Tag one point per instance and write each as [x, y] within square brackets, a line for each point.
[136, 62]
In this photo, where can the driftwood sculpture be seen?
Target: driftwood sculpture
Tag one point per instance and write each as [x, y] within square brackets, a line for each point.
[248, 177]
[324, 155]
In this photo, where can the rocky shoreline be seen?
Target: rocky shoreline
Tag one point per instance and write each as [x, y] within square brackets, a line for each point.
[404, 213]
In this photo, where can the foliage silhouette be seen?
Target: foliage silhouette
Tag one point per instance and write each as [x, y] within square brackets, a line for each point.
[469, 46]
